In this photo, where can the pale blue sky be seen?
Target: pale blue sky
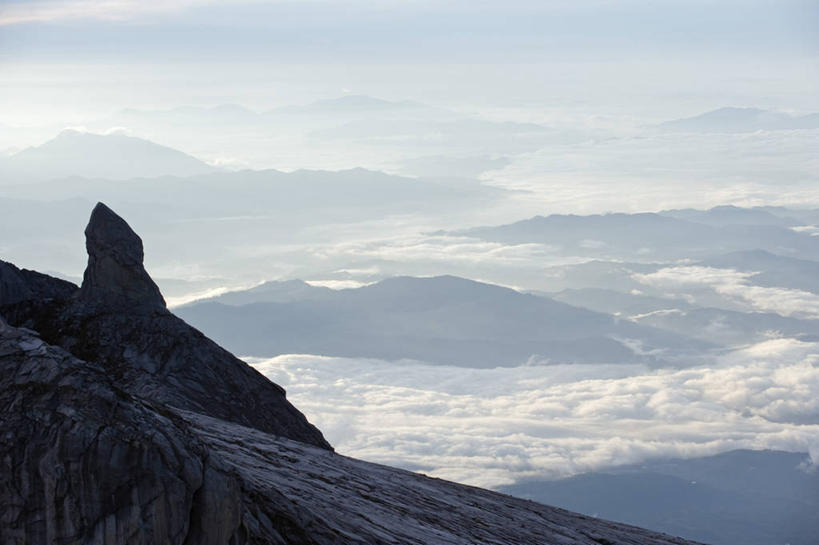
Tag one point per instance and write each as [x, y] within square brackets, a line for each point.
[71, 60]
[407, 31]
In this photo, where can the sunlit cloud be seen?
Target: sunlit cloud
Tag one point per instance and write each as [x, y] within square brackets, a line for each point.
[737, 287]
[493, 426]
[338, 284]
[179, 300]
[443, 248]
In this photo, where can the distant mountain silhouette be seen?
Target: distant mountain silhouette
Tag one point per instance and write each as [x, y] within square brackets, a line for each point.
[771, 269]
[729, 327]
[733, 215]
[286, 291]
[616, 302]
[446, 320]
[737, 120]
[124, 425]
[646, 236]
[195, 218]
[354, 193]
[109, 156]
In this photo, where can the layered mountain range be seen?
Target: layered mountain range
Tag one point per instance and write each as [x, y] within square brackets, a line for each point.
[122, 424]
[443, 320]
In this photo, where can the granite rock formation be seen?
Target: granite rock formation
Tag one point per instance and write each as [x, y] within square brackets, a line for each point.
[85, 462]
[18, 285]
[157, 436]
[118, 319]
[115, 276]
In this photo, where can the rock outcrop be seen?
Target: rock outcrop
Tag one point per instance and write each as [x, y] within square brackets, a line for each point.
[118, 320]
[157, 436]
[17, 285]
[115, 276]
[84, 462]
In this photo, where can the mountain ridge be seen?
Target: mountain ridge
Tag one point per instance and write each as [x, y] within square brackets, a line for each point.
[94, 453]
[118, 315]
[445, 320]
[731, 119]
[90, 155]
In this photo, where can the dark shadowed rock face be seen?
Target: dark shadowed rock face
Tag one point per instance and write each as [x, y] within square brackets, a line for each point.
[118, 319]
[84, 462]
[18, 285]
[122, 425]
[115, 276]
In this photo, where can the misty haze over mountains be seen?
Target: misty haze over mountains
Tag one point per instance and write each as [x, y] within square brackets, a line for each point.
[87, 155]
[737, 120]
[567, 251]
[443, 320]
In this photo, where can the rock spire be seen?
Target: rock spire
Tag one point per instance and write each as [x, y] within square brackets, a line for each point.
[115, 275]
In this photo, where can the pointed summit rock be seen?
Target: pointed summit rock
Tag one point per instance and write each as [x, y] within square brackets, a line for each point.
[132, 428]
[115, 275]
[118, 320]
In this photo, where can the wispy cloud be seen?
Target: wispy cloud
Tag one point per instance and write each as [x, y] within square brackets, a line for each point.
[46, 11]
[664, 171]
[736, 287]
[179, 300]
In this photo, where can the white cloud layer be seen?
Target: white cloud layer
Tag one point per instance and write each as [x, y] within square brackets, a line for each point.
[736, 287]
[445, 248]
[489, 427]
[655, 171]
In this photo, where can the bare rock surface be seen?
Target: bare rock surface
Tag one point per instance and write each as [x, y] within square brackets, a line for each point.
[85, 462]
[122, 425]
[118, 319]
[115, 276]
[18, 285]
[347, 501]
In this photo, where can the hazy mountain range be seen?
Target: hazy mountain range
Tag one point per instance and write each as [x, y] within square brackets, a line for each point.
[738, 120]
[174, 440]
[466, 257]
[219, 209]
[650, 236]
[445, 320]
[110, 156]
[375, 132]
[666, 293]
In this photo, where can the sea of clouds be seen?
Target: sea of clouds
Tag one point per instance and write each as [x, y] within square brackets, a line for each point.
[735, 287]
[654, 171]
[490, 427]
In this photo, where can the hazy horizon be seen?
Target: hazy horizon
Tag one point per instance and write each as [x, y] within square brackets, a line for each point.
[497, 242]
